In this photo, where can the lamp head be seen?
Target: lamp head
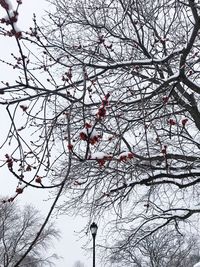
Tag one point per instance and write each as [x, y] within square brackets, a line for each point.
[93, 229]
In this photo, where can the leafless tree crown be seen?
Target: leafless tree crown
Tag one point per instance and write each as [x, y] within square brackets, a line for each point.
[106, 109]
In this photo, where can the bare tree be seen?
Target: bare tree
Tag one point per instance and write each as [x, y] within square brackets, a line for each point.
[17, 230]
[165, 248]
[106, 110]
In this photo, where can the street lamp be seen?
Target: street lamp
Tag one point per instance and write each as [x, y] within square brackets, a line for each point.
[93, 229]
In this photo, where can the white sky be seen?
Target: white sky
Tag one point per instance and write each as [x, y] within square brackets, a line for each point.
[69, 246]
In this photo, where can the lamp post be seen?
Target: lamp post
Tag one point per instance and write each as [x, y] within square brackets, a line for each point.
[93, 229]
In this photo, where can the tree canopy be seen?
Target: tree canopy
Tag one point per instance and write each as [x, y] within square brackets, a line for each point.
[105, 111]
[17, 230]
[165, 247]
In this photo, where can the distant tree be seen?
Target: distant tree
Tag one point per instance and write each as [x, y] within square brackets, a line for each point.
[78, 264]
[18, 228]
[166, 248]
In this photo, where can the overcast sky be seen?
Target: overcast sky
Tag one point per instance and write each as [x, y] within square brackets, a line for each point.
[69, 246]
